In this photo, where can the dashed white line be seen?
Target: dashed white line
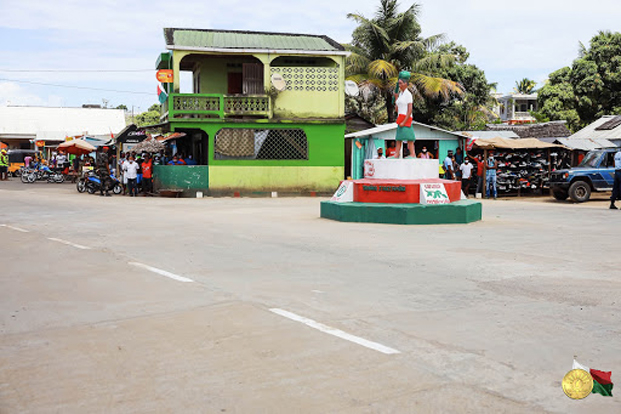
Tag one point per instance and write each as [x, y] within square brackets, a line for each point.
[161, 272]
[15, 228]
[335, 332]
[68, 243]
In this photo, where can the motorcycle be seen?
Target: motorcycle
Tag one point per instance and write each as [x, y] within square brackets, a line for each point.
[41, 173]
[91, 183]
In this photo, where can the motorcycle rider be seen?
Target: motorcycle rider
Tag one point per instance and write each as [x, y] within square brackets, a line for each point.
[103, 171]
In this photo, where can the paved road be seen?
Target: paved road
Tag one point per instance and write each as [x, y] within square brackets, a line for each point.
[131, 305]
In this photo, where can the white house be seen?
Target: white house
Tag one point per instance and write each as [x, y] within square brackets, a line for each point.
[22, 126]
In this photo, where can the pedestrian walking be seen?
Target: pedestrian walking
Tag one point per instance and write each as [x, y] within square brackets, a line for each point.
[616, 187]
[147, 175]
[466, 175]
[103, 171]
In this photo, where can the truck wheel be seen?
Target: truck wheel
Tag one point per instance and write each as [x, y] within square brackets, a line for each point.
[560, 195]
[580, 191]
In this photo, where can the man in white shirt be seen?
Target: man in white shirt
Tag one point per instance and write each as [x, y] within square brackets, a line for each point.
[130, 167]
[380, 154]
[466, 174]
[616, 186]
[448, 166]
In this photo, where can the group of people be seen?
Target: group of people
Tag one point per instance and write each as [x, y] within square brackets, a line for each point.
[458, 167]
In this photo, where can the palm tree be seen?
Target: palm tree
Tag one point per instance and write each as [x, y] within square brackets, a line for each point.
[389, 43]
[525, 86]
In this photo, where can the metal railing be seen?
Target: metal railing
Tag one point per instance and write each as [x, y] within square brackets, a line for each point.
[215, 106]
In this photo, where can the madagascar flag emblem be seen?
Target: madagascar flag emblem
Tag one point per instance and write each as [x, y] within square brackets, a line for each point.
[602, 383]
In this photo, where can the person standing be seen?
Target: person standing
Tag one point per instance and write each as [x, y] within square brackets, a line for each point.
[380, 154]
[616, 186]
[147, 175]
[424, 154]
[103, 171]
[4, 165]
[391, 151]
[448, 166]
[130, 167]
[404, 102]
[480, 167]
[490, 178]
[466, 175]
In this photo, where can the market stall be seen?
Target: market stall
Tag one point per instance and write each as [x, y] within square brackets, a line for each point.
[524, 165]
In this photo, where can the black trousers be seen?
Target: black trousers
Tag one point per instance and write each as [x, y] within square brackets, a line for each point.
[616, 187]
[104, 177]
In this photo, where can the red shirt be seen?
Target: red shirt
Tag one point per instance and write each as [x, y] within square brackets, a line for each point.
[391, 151]
[480, 166]
[147, 169]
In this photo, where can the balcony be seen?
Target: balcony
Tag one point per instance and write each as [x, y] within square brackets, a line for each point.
[215, 107]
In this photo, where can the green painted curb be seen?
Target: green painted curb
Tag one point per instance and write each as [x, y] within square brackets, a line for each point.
[460, 212]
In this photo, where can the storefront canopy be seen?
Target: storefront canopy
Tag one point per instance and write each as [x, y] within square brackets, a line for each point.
[524, 143]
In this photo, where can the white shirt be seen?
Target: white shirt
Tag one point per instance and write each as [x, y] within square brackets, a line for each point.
[131, 169]
[466, 170]
[377, 157]
[404, 99]
[618, 160]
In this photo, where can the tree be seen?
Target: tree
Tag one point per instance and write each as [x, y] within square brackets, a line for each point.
[122, 106]
[389, 43]
[590, 88]
[525, 86]
[470, 110]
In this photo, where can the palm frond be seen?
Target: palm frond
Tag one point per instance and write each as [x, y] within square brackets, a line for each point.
[433, 87]
[382, 69]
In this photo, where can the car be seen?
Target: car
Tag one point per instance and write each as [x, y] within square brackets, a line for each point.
[595, 173]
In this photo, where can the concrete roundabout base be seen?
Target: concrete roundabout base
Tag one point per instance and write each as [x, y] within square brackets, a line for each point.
[459, 212]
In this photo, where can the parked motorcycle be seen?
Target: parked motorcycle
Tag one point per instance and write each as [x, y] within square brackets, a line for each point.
[91, 183]
[41, 173]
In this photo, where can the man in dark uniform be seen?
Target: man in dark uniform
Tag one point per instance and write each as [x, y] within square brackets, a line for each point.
[103, 171]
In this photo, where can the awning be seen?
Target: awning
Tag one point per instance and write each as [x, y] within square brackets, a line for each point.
[174, 135]
[524, 143]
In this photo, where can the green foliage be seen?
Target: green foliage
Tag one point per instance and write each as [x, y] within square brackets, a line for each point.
[155, 107]
[123, 107]
[525, 86]
[147, 118]
[590, 88]
[391, 42]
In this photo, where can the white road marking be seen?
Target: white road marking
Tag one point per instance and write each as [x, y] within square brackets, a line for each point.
[336, 332]
[16, 228]
[68, 243]
[317, 291]
[161, 272]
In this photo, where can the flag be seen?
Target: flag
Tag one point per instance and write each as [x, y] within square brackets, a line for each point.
[161, 93]
[602, 383]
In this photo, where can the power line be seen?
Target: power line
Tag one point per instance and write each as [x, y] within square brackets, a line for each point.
[76, 70]
[76, 87]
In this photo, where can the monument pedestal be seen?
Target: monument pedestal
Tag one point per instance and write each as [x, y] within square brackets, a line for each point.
[401, 191]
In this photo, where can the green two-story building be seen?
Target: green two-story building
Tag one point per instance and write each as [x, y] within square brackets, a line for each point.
[248, 128]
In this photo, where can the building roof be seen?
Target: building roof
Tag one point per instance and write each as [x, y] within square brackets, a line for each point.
[243, 41]
[45, 123]
[490, 134]
[599, 129]
[586, 144]
[518, 96]
[393, 126]
[553, 129]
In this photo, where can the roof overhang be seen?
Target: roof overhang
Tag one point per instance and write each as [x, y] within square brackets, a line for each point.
[259, 51]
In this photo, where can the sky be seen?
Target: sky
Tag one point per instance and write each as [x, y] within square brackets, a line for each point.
[78, 52]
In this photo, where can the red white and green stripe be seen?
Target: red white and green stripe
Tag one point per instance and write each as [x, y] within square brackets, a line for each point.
[602, 383]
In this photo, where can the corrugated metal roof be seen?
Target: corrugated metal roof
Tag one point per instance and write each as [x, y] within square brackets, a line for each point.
[229, 39]
[590, 132]
[54, 123]
[393, 126]
[491, 134]
[586, 144]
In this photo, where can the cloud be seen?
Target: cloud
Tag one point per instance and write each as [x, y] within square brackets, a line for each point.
[14, 94]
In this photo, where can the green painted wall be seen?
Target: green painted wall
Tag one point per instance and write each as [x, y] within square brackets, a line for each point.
[181, 177]
[325, 143]
[444, 146]
[288, 104]
[271, 178]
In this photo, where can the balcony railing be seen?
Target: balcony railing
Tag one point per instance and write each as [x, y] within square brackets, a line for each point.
[182, 106]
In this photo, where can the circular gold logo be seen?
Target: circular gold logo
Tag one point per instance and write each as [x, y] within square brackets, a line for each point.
[577, 384]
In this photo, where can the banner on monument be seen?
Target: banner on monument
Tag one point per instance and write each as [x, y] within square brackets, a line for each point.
[345, 192]
[433, 193]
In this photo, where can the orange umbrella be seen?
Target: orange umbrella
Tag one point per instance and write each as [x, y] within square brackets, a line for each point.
[77, 147]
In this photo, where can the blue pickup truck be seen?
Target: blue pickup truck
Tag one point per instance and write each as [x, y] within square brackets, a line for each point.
[595, 173]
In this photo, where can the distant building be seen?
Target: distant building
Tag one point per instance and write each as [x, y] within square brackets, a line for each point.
[514, 108]
[546, 131]
[22, 126]
[606, 128]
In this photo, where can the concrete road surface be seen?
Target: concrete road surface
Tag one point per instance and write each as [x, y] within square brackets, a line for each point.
[152, 305]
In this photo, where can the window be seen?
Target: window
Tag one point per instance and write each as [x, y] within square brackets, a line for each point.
[260, 144]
